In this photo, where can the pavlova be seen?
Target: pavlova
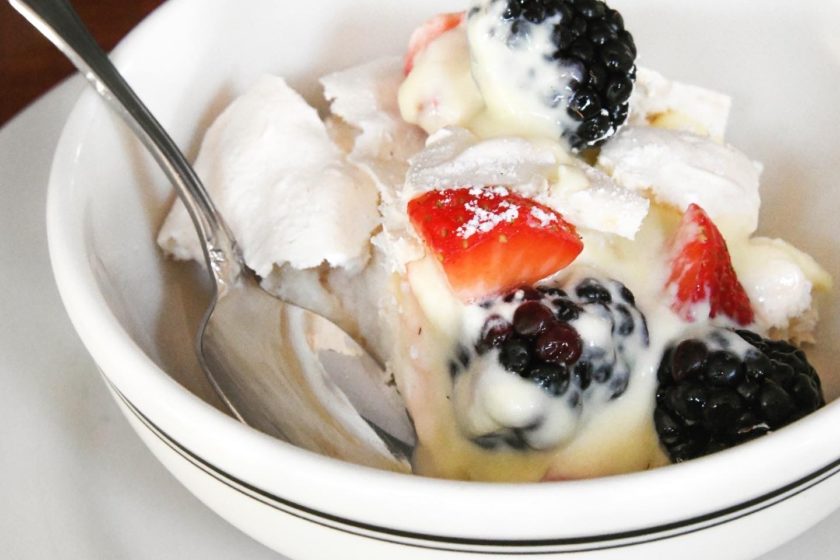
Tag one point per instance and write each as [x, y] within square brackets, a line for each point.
[552, 248]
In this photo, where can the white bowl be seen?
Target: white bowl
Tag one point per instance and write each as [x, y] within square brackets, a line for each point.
[137, 313]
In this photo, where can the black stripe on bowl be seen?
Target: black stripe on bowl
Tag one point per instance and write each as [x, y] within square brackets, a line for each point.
[513, 547]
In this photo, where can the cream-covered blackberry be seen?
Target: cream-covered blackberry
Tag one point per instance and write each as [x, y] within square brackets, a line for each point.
[540, 357]
[720, 387]
[562, 68]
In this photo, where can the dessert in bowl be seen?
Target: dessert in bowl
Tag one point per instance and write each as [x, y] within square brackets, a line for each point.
[121, 293]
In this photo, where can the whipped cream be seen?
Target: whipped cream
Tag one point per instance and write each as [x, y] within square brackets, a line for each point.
[440, 91]
[509, 72]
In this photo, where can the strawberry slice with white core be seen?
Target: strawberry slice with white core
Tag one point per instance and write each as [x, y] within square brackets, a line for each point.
[490, 240]
[428, 32]
[701, 275]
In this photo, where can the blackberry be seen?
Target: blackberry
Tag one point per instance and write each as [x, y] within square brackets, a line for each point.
[545, 330]
[593, 59]
[725, 387]
[575, 345]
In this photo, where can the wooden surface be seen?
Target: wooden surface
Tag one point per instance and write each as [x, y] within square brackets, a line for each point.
[30, 65]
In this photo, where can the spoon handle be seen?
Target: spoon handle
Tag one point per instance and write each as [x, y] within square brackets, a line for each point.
[59, 22]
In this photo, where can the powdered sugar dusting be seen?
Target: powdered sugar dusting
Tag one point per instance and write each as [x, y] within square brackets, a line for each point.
[545, 218]
[488, 191]
[482, 219]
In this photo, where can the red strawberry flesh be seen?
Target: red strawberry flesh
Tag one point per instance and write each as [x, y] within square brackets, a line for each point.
[490, 240]
[702, 272]
[428, 32]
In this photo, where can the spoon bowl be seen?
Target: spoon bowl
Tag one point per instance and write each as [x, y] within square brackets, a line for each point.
[335, 397]
[280, 368]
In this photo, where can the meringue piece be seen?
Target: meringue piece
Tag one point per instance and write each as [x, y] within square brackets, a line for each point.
[800, 329]
[454, 157]
[365, 97]
[681, 168]
[780, 281]
[657, 101]
[777, 288]
[283, 187]
[570, 178]
[816, 274]
[672, 120]
[588, 198]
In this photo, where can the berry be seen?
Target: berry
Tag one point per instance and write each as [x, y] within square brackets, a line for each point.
[532, 318]
[559, 344]
[688, 359]
[723, 369]
[515, 355]
[724, 387]
[542, 333]
[536, 334]
[495, 332]
[428, 32]
[490, 240]
[701, 272]
[552, 378]
[592, 291]
[594, 60]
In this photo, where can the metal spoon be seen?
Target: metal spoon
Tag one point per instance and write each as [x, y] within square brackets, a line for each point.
[282, 369]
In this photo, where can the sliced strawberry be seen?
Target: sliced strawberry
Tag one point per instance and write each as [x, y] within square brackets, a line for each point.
[702, 273]
[428, 32]
[490, 240]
